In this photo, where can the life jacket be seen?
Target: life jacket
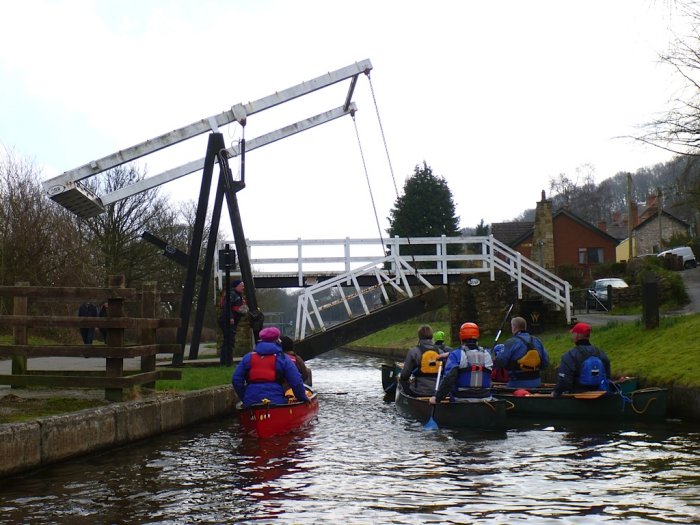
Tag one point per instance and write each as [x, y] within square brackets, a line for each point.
[472, 370]
[529, 364]
[429, 362]
[593, 373]
[263, 368]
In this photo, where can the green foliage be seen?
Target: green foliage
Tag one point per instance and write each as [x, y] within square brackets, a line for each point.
[426, 208]
[677, 239]
[196, 378]
[611, 269]
[481, 229]
[660, 357]
[402, 335]
[16, 409]
[573, 274]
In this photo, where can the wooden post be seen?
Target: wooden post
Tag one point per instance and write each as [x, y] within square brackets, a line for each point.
[115, 337]
[19, 333]
[650, 301]
[149, 302]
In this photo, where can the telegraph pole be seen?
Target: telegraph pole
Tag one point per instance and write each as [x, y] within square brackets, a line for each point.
[630, 226]
[658, 204]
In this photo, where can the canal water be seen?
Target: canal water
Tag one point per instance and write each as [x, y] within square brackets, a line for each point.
[361, 463]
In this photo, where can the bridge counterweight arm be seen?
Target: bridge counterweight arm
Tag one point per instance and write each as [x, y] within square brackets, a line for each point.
[191, 167]
[237, 113]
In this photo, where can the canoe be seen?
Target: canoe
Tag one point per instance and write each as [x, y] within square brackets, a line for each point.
[390, 378]
[267, 420]
[474, 414]
[648, 404]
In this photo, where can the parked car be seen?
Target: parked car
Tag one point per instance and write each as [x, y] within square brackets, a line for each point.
[689, 260]
[598, 292]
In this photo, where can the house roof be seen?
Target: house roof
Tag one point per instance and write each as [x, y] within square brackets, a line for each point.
[667, 214]
[508, 232]
[584, 223]
[514, 233]
[618, 231]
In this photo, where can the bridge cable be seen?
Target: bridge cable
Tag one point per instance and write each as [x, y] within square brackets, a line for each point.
[369, 185]
[391, 170]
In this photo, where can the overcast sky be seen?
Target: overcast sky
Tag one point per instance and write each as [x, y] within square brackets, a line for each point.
[496, 96]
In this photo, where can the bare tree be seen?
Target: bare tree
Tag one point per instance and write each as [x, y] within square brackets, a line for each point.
[115, 236]
[38, 242]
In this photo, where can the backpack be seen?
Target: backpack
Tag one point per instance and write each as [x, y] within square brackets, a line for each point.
[530, 362]
[593, 373]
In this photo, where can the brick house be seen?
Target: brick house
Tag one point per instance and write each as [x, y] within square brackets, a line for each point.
[558, 239]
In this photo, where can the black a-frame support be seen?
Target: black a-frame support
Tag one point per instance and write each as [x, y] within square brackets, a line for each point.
[228, 188]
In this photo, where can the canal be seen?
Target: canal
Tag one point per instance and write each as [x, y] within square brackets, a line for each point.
[361, 463]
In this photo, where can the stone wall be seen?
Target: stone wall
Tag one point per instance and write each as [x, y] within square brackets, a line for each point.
[486, 305]
[26, 446]
[646, 237]
[543, 235]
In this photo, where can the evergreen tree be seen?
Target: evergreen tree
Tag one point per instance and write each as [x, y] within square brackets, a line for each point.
[426, 209]
[482, 229]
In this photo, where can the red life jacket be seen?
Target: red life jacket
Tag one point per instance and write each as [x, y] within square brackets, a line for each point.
[262, 368]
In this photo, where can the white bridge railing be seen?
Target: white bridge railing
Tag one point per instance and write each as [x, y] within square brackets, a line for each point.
[341, 261]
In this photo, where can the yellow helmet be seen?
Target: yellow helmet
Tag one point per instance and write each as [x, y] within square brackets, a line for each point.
[468, 331]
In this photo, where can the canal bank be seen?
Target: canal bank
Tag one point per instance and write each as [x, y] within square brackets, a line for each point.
[30, 445]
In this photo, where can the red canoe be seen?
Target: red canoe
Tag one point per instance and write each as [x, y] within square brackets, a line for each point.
[268, 420]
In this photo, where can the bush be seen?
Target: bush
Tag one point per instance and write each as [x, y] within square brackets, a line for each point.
[573, 274]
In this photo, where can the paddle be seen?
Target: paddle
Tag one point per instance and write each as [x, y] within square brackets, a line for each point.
[431, 424]
[500, 374]
[592, 394]
[500, 328]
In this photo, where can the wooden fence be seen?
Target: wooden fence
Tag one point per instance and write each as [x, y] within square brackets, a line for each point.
[114, 379]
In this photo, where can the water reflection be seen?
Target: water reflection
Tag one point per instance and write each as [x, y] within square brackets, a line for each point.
[361, 463]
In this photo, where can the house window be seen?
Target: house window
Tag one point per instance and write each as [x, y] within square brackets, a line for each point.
[595, 255]
[582, 256]
[590, 255]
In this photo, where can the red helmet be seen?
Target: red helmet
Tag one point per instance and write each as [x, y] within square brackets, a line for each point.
[468, 331]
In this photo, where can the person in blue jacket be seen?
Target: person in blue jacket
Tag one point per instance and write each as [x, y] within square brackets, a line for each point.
[467, 371]
[523, 356]
[584, 367]
[261, 373]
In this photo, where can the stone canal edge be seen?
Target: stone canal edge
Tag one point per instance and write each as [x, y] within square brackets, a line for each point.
[30, 445]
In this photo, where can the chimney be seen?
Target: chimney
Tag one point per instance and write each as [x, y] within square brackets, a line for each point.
[602, 226]
[543, 235]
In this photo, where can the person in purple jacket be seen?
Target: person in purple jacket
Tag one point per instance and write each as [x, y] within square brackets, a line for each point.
[261, 373]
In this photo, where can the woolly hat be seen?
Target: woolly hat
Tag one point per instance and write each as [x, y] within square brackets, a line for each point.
[271, 334]
[582, 329]
[287, 343]
[235, 283]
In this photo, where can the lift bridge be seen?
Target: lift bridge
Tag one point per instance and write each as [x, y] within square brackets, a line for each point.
[390, 286]
[372, 290]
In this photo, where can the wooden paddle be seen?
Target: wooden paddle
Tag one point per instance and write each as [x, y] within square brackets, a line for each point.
[593, 394]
